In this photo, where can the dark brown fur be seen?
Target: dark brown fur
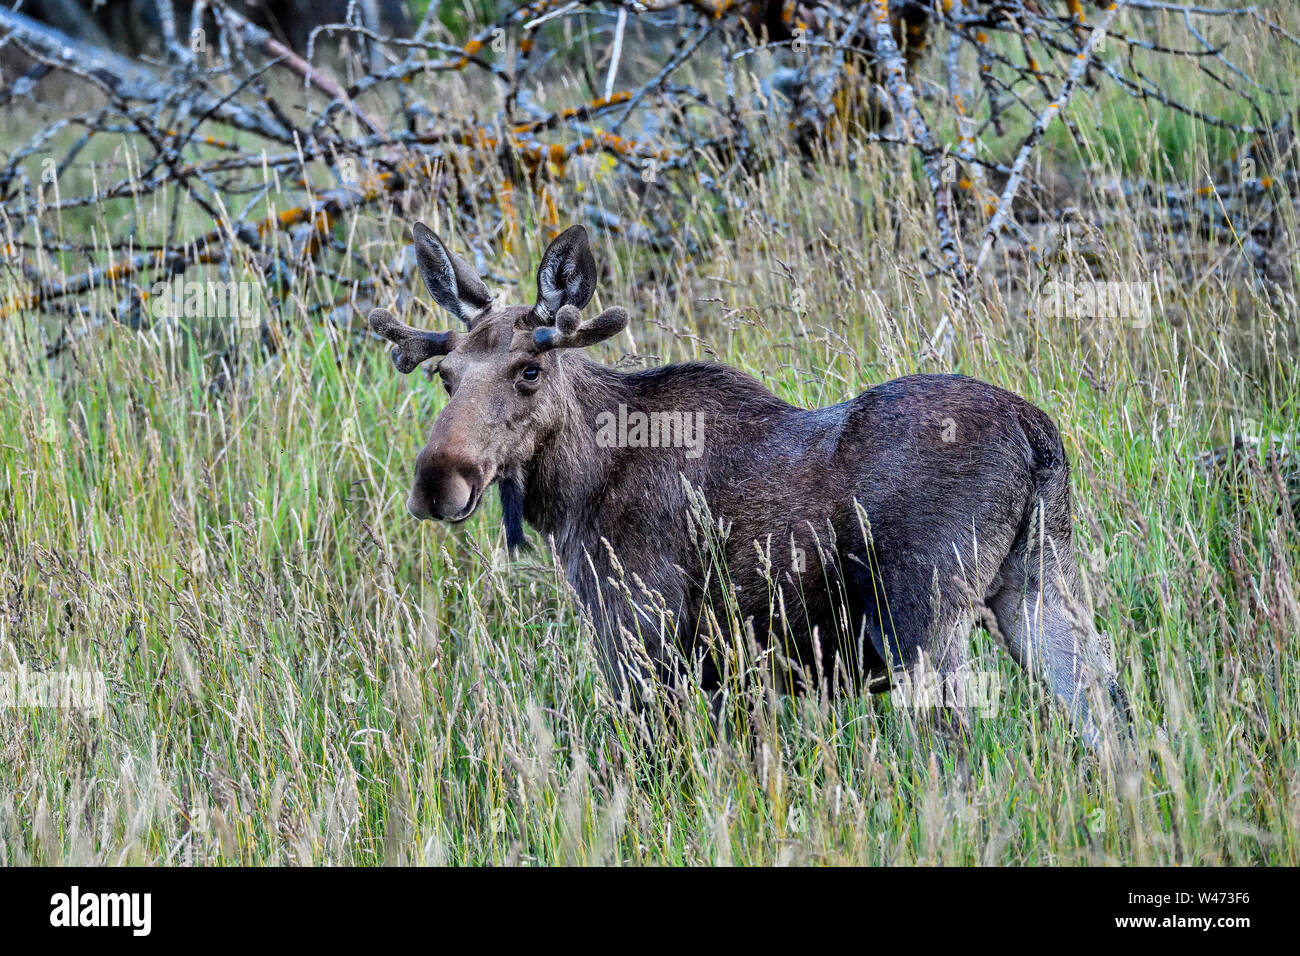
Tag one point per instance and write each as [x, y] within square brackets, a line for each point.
[914, 506]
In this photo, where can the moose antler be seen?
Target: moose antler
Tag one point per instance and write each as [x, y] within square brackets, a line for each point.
[413, 345]
[570, 332]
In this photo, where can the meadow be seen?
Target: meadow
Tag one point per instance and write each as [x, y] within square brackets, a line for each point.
[297, 672]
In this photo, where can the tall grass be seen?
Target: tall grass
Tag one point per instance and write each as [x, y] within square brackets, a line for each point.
[298, 672]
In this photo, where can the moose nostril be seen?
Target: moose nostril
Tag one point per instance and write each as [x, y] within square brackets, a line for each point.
[457, 493]
[418, 508]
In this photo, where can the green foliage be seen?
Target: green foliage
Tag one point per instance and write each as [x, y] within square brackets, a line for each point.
[297, 672]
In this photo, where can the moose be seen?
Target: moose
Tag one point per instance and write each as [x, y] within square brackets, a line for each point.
[861, 541]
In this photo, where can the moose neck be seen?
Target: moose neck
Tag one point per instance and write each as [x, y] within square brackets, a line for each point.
[570, 466]
[564, 482]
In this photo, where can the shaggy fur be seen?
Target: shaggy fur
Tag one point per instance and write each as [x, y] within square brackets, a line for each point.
[858, 540]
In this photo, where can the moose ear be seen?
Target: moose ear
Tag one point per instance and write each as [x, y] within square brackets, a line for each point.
[451, 281]
[567, 275]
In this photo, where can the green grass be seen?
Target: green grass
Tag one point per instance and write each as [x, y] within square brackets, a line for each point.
[298, 672]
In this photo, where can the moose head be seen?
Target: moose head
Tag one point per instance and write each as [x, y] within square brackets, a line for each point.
[504, 373]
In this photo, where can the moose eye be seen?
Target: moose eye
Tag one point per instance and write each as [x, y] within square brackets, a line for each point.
[531, 373]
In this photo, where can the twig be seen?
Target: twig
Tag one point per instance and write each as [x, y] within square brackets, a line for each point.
[914, 128]
[1078, 69]
[612, 76]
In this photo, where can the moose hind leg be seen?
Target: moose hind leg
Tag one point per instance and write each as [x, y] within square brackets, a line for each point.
[1048, 632]
[952, 661]
[930, 650]
[948, 683]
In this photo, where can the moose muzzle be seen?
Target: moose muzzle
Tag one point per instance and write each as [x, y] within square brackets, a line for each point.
[446, 487]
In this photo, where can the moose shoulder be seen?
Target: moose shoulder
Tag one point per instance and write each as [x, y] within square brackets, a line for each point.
[861, 540]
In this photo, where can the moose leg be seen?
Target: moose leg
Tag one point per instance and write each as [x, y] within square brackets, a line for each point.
[636, 611]
[651, 663]
[625, 665]
[1042, 617]
[924, 636]
[951, 654]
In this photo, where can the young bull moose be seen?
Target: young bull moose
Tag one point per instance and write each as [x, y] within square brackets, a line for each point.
[862, 540]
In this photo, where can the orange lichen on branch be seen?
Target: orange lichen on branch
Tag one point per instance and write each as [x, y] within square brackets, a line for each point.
[535, 156]
[207, 141]
[19, 302]
[599, 103]
[509, 218]
[291, 217]
[550, 211]
[584, 111]
[625, 147]
[471, 49]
